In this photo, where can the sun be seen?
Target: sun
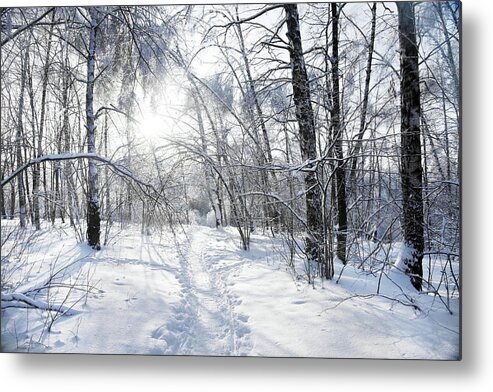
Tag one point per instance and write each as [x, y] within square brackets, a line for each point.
[159, 116]
[153, 126]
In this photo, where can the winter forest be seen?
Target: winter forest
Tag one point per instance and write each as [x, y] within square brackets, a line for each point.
[273, 180]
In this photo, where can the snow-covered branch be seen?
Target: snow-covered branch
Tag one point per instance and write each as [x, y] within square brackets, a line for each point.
[18, 300]
[117, 168]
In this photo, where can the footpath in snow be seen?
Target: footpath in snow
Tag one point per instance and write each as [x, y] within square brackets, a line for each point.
[196, 293]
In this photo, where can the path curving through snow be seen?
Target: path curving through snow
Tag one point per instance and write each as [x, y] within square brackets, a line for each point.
[205, 322]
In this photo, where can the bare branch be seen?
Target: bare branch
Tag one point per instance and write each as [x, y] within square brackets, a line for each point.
[23, 28]
[119, 169]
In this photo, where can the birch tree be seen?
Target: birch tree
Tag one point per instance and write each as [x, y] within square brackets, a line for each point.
[93, 213]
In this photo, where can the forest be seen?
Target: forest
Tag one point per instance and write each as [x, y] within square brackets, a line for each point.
[224, 171]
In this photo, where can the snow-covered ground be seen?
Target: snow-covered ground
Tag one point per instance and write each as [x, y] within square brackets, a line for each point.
[195, 292]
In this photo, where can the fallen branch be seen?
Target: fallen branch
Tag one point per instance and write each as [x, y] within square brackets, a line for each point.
[18, 300]
[369, 296]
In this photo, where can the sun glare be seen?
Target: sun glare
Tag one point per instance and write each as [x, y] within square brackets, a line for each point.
[160, 115]
[153, 126]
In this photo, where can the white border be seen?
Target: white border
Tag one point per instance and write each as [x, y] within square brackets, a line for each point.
[138, 374]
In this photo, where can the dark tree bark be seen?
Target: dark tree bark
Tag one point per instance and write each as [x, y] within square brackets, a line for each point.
[340, 173]
[411, 168]
[3, 211]
[93, 214]
[308, 140]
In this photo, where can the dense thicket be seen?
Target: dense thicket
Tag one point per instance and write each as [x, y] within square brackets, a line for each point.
[286, 119]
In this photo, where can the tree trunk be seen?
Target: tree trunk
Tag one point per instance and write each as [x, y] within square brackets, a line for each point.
[19, 140]
[107, 202]
[37, 168]
[207, 170]
[340, 173]
[411, 169]
[93, 217]
[308, 141]
[12, 190]
[265, 155]
[3, 211]
[67, 171]
[364, 106]
[47, 192]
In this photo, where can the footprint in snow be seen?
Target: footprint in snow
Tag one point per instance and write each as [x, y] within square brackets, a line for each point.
[160, 332]
[242, 331]
[243, 318]
[59, 343]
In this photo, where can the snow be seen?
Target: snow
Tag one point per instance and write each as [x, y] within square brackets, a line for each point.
[195, 292]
